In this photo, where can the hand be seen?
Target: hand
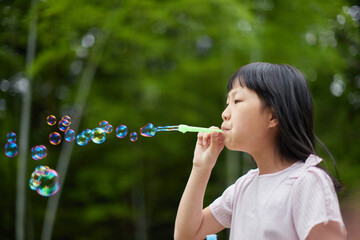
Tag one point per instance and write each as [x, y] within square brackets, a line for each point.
[208, 148]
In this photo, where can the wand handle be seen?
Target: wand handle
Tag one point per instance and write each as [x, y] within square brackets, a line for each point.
[185, 128]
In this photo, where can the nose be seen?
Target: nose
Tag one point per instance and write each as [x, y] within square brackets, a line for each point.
[225, 114]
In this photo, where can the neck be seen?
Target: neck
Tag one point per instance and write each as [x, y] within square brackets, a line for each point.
[270, 162]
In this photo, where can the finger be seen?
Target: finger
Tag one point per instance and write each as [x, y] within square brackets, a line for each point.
[217, 141]
[207, 139]
[200, 137]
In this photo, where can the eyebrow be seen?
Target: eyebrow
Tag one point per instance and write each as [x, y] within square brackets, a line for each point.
[232, 93]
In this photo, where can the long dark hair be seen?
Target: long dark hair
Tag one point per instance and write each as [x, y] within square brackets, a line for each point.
[284, 89]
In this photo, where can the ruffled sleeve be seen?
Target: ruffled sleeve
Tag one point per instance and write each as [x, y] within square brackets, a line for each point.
[314, 199]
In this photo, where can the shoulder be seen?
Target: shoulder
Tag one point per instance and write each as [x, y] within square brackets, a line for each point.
[313, 199]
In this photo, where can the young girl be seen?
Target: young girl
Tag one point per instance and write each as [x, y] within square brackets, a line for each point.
[268, 115]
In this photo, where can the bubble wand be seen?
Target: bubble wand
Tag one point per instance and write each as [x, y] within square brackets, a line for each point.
[149, 129]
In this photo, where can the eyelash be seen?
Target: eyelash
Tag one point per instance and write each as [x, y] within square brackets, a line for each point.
[235, 101]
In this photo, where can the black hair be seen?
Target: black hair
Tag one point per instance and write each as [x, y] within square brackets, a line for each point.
[284, 89]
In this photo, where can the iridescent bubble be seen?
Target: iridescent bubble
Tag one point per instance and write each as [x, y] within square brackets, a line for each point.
[148, 130]
[55, 138]
[11, 137]
[108, 128]
[34, 180]
[103, 124]
[33, 184]
[64, 125]
[51, 120]
[88, 134]
[81, 139]
[69, 135]
[121, 131]
[42, 168]
[45, 181]
[133, 136]
[11, 149]
[67, 119]
[49, 183]
[38, 152]
[99, 135]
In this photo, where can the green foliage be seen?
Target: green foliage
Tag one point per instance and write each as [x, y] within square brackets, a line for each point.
[165, 62]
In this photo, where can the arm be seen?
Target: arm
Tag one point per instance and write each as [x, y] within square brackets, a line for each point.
[329, 231]
[192, 221]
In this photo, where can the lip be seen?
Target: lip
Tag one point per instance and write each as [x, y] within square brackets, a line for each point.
[225, 129]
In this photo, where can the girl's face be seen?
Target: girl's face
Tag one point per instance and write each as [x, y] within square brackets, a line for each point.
[246, 122]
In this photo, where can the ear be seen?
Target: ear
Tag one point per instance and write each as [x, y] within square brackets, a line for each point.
[273, 121]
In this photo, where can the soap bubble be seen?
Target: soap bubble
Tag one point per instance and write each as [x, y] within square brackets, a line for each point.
[49, 183]
[51, 120]
[99, 135]
[11, 137]
[42, 168]
[133, 136]
[64, 125]
[121, 131]
[67, 120]
[11, 149]
[108, 128]
[69, 135]
[89, 134]
[45, 181]
[81, 139]
[103, 124]
[34, 180]
[148, 130]
[55, 138]
[38, 152]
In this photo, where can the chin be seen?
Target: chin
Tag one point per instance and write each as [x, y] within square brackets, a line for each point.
[230, 146]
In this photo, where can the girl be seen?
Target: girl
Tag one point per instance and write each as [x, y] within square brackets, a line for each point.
[268, 115]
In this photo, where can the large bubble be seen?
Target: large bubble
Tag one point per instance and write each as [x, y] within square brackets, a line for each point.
[45, 181]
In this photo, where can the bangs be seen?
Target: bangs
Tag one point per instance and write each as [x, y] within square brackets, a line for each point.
[251, 76]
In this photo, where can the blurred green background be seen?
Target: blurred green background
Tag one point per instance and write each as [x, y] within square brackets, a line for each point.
[164, 62]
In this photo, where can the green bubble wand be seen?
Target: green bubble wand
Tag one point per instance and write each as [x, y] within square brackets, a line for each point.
[149, 129]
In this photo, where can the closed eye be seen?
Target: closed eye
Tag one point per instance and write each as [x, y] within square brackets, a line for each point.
[237, 101]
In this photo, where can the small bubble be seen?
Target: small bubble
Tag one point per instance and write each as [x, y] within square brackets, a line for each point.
[81, 139]
[11, 149]
[38, 152]
[55, 138]
[69, 135]
[51, 120]
[121, 131]
[11, 137]
[64, 125]
[108, 128]
[133, 136]
[67, 118]
[99, 135]
[89, 134]
[103, 124]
